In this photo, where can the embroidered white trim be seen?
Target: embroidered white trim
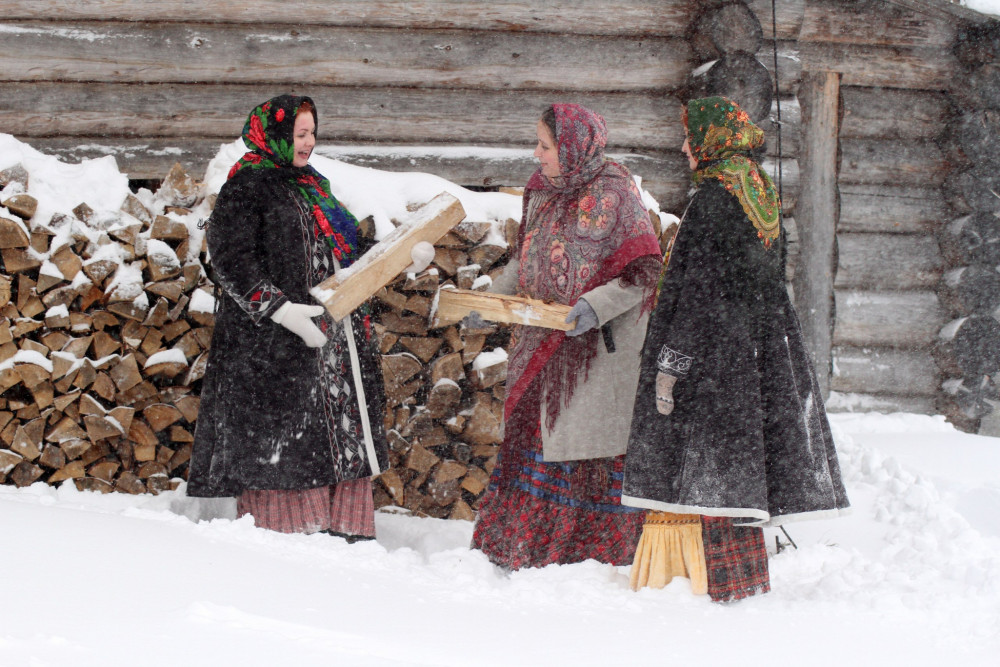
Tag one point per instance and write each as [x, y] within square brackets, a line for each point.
[673, 362]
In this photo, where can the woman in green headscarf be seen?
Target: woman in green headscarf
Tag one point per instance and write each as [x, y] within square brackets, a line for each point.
[728, 428]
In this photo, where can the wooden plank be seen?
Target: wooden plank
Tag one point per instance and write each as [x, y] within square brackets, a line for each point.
[885, 403]
[885, 371]
[454, 304]
[888, 261]
[816, 216]
[891, 162]
[885, 113]
[347, 289]
[891, 319]
[168, 52]
[636, 17]
[636, 120]
[878, 23]
[917, 68]
[888, 208]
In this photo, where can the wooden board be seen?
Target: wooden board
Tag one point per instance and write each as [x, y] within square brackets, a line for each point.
[918, 68]
[879, 23]
[891, 162]
[454, 304]
[889, 208]
[885, 113]
[350, 287]
[308, 55]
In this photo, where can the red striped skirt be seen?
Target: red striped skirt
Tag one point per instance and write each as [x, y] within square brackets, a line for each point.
[347, 508]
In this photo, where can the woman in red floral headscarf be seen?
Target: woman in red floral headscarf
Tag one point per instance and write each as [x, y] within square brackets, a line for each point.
[292, 402]
[586, 241]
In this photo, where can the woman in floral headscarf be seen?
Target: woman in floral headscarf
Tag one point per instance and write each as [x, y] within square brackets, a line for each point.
[585, 241]
[291, 407]
[729, 428]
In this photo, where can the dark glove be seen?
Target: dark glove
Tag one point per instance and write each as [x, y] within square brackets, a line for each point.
[474, 321]
[586, 318]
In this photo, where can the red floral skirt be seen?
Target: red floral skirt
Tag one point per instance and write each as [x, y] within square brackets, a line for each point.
[544, 514]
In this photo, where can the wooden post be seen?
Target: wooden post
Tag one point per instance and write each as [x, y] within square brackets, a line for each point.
[816, 214]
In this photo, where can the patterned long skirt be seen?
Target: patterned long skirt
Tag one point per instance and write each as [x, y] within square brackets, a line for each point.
[347, 508]
[545, 516]
[736, 560]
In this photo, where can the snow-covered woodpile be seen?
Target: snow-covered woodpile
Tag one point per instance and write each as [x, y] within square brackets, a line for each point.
[106, 320]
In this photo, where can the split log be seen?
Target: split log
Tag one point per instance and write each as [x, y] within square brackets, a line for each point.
[349, 288]
[455, 304]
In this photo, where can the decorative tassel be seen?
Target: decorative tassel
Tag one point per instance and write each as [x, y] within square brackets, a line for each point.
[670, 546]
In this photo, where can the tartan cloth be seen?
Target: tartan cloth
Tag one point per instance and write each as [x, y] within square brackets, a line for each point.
[736, 560]
[540, 517]
[347, 508]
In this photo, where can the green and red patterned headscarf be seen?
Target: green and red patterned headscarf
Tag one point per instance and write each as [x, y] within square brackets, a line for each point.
[268, 133]
[722, 138]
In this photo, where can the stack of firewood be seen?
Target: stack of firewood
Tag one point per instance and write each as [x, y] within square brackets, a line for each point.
[106, 323]
[444, 385]
[106, 319]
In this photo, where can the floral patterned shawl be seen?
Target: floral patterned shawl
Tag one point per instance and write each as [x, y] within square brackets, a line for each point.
[578, 231]
[722, 137]
[268, 133]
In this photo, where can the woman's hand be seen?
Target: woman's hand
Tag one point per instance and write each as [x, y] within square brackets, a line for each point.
[665, 393]
[421, 254]
[586, 318]
[297, 318]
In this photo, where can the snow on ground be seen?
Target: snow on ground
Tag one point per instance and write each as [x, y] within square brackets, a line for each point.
[911, 577]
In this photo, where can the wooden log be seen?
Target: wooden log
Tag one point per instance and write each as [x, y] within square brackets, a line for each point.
[164, 52]
[972, 239]
[970, 289]
[889, 24]
[728, 28]
[871, 162]
[905, 319]
[12, 233]
[740, 77]
[349, 288]
[884, 371]
[973, 135]
[913, 68]
[454, 304]
[887, 208]
[816, 216]
[972, 344]
[874, 113]
[639, 119]
[887, 261]
[973, 190]
[644, 17]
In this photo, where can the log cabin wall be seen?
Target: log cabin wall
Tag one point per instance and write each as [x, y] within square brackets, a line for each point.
[156, 83]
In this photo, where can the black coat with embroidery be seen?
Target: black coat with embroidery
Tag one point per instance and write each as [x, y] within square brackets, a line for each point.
[749, 435]
[276, 414]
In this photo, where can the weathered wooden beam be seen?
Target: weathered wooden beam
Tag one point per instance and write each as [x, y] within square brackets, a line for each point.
[636, 120]
[634, 18]
[887, 261]
[877, 23]
[891, 162]
[885, 371]
[905, 319]
[876, 113]
[816, 214]
[309, 55]
[787, 17]
[454, 304]
[916, 68]
[347, 289]
[890, 208]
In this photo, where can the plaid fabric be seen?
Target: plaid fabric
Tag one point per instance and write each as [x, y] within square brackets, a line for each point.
[736, 560]
[543, 517]
[347, 508]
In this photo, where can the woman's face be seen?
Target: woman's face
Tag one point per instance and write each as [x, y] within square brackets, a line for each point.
[686, 149]
[546, 151]
[304, 135]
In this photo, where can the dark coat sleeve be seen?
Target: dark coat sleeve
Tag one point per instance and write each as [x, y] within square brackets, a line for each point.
[235, 234]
